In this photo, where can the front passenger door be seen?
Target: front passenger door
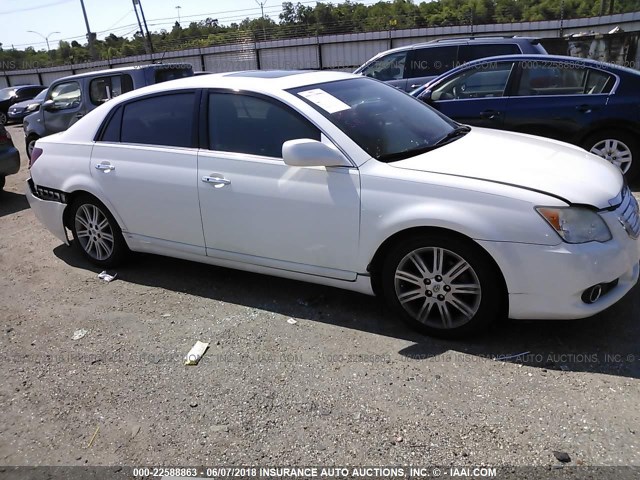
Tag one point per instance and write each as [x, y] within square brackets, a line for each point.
[476, 96]
[258, 210]
[66, 107]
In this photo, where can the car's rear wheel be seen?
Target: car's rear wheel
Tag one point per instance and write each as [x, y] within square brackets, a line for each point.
[3, 118]
[2, 182]
[31, 144]
[619, 148]
[442, 285]
[96, 233]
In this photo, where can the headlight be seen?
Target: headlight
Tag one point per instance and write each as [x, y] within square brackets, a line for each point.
[576, 224]
[33, 107]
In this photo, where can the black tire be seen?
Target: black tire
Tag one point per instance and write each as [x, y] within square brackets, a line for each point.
[90, 232]
[3, 180]
[3, 118]
[31, 142]
[625, 141]
[482, 297]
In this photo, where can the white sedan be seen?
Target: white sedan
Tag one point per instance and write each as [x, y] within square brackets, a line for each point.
[344, 181]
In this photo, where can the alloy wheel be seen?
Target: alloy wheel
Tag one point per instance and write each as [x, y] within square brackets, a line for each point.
[94, 232]
[31, 144]
[437, 287]
[614, 151]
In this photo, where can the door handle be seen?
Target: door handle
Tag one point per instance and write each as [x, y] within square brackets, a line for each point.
[490, 114]
[218, 181]
[416, 85]
[79, 115]
[105, 167]
[584, 108]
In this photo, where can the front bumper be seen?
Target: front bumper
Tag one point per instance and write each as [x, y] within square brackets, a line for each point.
[547, 282]
[17, 115]
[49, 212]
[9, 162]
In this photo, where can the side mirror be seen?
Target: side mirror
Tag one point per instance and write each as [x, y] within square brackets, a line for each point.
[48, 105]
[426, 97]
[305, 152]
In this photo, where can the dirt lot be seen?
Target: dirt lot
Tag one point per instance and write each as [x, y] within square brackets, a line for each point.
[347, 384]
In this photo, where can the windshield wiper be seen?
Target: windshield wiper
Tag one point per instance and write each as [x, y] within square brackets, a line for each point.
[457, 132]
[391, 157]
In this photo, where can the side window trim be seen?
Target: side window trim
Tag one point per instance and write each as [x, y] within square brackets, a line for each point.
[119, 110]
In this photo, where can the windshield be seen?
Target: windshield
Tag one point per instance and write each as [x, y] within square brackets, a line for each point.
[40, 96]
[385, 122]
[7, 93]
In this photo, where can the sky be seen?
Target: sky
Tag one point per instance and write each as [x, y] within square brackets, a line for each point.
[17, 17]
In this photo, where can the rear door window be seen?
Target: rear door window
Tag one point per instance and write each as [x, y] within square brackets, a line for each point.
[432, 61]
[165, 120]
[103, 89]
[166, 74]
[473, 52]
[567, 78]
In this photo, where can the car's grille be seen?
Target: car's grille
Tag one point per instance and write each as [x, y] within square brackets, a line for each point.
[628, 213]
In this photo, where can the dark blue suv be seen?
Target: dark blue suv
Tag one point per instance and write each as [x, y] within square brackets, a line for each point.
[591, 104]
[413, 65]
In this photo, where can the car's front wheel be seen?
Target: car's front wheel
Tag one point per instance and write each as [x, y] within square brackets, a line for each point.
[442, 285]
[3, 118]
[96, 233]
[619, 148]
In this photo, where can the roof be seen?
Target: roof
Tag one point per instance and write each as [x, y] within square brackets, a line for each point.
[255, 80]
[23, 86]
[108, 71]
[587, 62]
[458, 40]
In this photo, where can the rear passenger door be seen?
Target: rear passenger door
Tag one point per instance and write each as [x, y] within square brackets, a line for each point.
[557, 100]
[145, 163]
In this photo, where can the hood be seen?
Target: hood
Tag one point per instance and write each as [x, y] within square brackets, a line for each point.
[526, 161]
[25, 104]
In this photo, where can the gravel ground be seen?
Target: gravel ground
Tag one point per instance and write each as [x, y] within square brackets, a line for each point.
[346, 384]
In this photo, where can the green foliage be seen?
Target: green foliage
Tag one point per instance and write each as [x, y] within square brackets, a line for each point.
[298, 20]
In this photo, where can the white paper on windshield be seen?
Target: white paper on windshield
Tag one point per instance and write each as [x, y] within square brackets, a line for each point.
[324, 100]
